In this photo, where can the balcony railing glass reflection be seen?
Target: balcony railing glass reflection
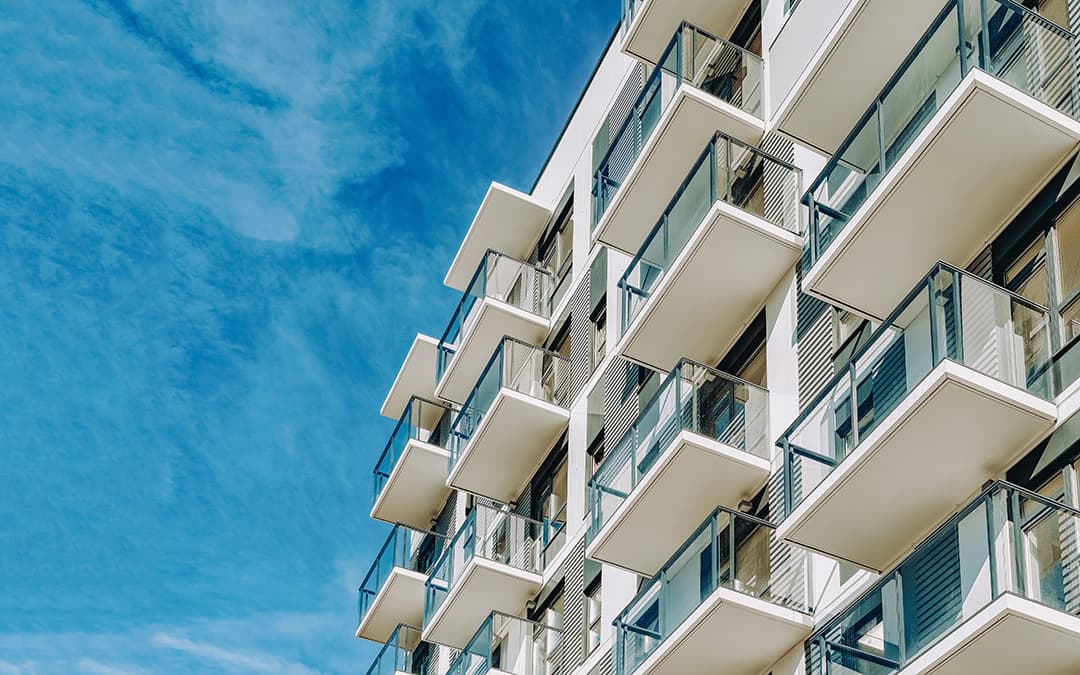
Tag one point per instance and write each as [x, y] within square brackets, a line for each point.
[405, 549]
[951, 315]
[1023, 543]
[694, 398]
[706, 62]
[500, 277]
[729, 171]
[1000, 37]
[409, 427]
[730, 550]
[512, 645]
[396, 655]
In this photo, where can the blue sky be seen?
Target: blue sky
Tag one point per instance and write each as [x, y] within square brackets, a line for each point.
[220, 225]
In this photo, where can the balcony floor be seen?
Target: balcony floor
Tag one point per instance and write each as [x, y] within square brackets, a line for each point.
[948, 436]
[400, 600]
[685, 485]
[415, 378]
[416, 489]
[657, 20]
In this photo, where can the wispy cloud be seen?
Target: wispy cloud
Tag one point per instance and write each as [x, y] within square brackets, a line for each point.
[229, 657]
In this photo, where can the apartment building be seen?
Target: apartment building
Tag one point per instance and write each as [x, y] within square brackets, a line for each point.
[770, 372]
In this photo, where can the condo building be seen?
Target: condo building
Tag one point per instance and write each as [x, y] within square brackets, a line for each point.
[771, 371]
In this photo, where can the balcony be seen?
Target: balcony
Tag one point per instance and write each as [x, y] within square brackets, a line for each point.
[393, 590]
[396, 656]
[410, 476]
[415, 378]
[992, 592]
[925, 163]
[944, 395]
[702, 84]
[648, 24]
[850, 59]
[510, 421]
[507, 645]
[733, 600]
[494, 563]
[702, 440]
[711, 260]
[506, 296]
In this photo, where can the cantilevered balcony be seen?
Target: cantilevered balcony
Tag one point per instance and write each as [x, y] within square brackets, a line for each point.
[703, 84]
[733, 600]
[506, 296]
[396, 656]
[944, 395]
[393, 590]
[494, 563]
[511, 419]
[702, 440]
[713, 257]
[416, 377]
[959, 139]
[647, 25]
[410, 476]
[992, 592]
[508, 645]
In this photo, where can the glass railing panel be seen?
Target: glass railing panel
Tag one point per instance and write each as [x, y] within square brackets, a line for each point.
[413, 425]
[630, 9]
[1015, 541]
[406, 549]
[694, 398]
[730, 550]
[730, 171]
[999, 37]
[706, 62]
[512, 645]
[502, 278]
[396, 655]
[951, 315]
[517, 366]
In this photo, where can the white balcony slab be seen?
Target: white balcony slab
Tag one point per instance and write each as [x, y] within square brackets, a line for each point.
[687, 482]
[712, 290]
[416, 489]
[821, 99]
[1011, 635]
[685, 128]
[947, 196]
[507, 221]
[483, 587]
[955, 430]
[731, 633]
[490, 321]
[512, 440]
[400, 600]
[657, 20]
[415, 378]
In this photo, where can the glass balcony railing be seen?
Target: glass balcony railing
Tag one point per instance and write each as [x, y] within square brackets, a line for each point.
[950, 315]
[1009, 540]
[694, 398]
[404, 548]
[410, 427]
[520, 367]
[1000, 37]
[396, 655]
[729, 171]
[514, 282]
[512, 645]
[706, 62]
[630, 9]
[492, 534]
[729, 550]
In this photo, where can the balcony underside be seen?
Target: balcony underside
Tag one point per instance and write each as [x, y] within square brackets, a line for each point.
[400, 600]
[712, 290]
[953, 432]
[657, 20]
[690, 121]
[416, 490]
[491, 321]
[730, 633]
[693, 476]
[415, 378]
[823, 99]
[981, 157]
[1012, 635]
[513, 439]
[484, 587]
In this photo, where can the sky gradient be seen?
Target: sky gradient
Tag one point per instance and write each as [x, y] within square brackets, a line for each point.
[221, 223]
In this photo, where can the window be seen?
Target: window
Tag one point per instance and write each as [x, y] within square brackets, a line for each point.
[556, 249]
[592, 616]
[599, 335]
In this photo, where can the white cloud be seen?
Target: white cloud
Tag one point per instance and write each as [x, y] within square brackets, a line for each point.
[253, 662]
